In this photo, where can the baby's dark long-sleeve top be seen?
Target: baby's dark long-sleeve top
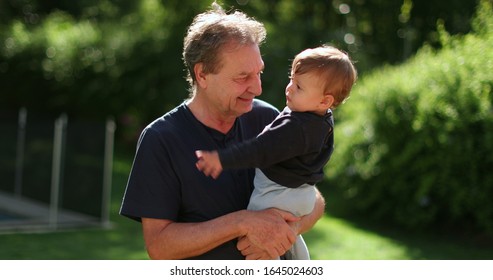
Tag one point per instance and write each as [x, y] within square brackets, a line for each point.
[291, 151]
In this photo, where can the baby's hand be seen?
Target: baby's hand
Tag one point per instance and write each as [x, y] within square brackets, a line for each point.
[209, 163]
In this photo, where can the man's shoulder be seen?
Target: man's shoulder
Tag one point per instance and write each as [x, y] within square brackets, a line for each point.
[174, 117]
[261, 114]
[261, 110]
[171, 123]
[263, 106]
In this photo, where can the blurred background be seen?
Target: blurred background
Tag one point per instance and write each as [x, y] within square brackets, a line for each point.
[411, 176]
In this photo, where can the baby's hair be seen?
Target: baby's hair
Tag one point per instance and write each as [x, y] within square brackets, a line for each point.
[334, 67]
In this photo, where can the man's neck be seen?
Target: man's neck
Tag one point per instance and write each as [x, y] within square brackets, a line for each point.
[210, 117]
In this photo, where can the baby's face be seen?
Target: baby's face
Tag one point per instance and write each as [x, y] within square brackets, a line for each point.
[304, 93]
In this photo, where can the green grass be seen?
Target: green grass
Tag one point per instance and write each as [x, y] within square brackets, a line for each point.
[333, 238]
[337, 239]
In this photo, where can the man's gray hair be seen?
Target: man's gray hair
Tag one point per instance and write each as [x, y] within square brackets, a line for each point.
[210, 32]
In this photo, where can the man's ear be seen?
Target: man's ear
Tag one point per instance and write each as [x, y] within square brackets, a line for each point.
[200, 76]
[327, 101]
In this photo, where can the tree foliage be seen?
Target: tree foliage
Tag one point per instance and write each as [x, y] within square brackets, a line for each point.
[414, 141]
[92, 58]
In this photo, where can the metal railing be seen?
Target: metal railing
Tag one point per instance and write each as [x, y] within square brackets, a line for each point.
[57, 214]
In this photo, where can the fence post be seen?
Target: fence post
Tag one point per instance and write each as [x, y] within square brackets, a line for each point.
[56, 170]
[107, 172]
[19, 162]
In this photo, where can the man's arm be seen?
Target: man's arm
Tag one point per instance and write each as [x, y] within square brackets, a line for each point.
[267, 229]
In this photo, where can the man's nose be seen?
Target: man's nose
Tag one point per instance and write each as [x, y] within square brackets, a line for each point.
[256, 86]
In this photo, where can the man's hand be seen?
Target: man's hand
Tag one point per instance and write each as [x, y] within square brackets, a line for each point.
[302, 225]
[268, 234]
[252, 252]
[209, 163]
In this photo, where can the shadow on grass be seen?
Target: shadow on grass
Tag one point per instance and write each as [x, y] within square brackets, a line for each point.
[419, 244]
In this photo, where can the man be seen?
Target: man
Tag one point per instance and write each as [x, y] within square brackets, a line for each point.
[184, 214]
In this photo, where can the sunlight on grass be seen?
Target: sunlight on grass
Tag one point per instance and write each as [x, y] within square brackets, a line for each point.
[336, 239]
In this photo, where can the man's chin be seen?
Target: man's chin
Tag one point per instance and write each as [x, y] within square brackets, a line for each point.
[244, 105]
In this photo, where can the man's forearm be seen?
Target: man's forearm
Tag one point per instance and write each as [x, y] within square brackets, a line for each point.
[169, 240]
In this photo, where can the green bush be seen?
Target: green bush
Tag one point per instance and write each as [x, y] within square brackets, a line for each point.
[414, 143]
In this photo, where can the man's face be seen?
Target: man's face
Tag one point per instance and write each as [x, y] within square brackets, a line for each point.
[232, 89]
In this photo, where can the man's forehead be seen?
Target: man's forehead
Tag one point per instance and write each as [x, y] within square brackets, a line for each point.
[242, 61]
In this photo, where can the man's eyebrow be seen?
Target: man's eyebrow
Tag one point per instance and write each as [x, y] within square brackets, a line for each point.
[249, 73]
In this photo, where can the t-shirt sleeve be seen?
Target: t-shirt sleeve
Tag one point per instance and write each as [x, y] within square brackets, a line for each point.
[152, 189]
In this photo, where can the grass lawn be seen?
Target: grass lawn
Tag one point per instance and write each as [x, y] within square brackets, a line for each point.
[337, 239]
[333, 238]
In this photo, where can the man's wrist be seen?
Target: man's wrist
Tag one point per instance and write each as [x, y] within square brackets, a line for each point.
[242, 223]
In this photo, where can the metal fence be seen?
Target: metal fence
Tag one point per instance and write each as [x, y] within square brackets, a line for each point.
[54, 174]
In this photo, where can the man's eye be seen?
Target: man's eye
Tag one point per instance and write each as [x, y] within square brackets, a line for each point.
[241, 79]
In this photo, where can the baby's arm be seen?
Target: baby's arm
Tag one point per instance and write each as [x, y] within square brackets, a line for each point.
[209, 163]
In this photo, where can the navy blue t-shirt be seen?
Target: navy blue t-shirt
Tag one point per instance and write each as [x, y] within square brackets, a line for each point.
[164, 182]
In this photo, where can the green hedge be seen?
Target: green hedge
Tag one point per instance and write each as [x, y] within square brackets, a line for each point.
[414, 143]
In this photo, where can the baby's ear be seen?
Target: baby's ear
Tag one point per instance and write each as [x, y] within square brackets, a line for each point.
[327, 100]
